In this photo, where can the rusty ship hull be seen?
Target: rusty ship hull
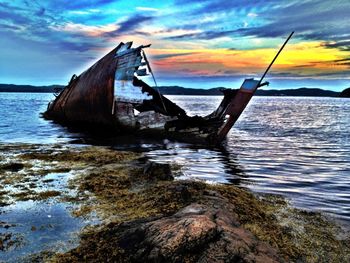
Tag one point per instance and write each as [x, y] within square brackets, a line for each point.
[111, 93]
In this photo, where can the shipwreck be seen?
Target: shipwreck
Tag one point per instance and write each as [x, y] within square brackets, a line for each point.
[112, 95]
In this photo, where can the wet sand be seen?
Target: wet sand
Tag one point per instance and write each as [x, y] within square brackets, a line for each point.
[61, 203]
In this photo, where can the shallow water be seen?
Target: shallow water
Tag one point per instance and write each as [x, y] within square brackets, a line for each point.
[297, 147]
[39, 225]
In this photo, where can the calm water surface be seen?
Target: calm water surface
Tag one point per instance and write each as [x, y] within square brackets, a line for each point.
[297, 147]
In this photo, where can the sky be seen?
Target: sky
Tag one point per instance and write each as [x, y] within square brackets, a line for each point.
[197, 44]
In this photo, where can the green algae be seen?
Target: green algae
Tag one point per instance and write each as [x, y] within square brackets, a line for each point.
[4, 198]
[25, 174]
[89, 155]
[48, 194]
[121, 192]
[9, 241]
[14, 167]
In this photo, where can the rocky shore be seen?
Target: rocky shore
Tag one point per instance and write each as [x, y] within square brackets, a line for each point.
[146, 215]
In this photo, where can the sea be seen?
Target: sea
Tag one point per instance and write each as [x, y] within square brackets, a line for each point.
[297, 147]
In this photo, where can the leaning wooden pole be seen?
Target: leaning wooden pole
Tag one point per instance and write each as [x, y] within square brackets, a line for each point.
[273, 61]
[242, 98]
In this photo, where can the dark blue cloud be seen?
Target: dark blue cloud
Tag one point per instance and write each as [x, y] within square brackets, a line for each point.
[342, 45]
[8, 27]
[237, 6]
[38, 23]
[78, 4]
[41, 11]
[206, 35]
[132, 23]
[14, 17]
[311, 20]
[186, 2]
[142, 33]
[320, 20]
[217, 18]
[75, 46]
[164, 56]
[129, 25]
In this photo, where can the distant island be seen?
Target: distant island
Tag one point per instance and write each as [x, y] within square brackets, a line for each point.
[345, 93]
[177, 90]
[30, 88]
[302, 92]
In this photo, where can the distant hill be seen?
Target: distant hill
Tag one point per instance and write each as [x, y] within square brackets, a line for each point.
[28, 88]
[302, 92]
[177, 90]
[345, 93]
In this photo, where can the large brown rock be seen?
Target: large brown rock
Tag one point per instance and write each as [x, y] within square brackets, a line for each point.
[197, 233]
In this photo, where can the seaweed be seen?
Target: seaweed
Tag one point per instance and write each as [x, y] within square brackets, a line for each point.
[9, 241]
[299, 235]
[13, 167]
[129, 194]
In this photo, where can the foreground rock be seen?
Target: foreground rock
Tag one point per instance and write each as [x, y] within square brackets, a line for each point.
[199, 232]
[196, 233]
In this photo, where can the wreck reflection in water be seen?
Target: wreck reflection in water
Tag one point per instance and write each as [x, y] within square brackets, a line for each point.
[297, 147]
[211, 165]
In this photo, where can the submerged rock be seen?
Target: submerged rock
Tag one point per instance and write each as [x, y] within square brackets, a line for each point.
[158, 171]
[13, 167]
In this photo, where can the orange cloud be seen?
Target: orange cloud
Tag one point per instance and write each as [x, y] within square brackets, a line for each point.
[303, 58]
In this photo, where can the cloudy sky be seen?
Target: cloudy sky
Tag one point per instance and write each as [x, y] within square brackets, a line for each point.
[194, 43]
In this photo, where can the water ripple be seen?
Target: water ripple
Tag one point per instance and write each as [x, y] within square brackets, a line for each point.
[297, 147]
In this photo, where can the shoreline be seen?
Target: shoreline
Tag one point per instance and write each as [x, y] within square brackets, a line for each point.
[143, 212]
